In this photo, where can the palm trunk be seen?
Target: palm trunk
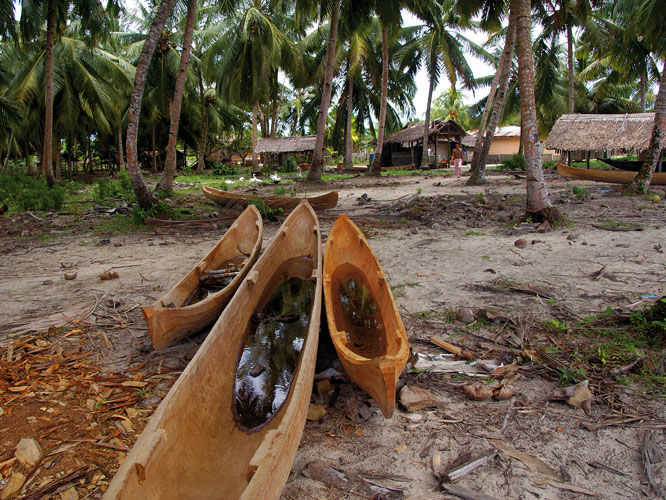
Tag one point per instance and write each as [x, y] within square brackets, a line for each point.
[120, 156]
[314, 174]
[643, 90]
[642, 180]
[166, 181]
[56, 160]
[538, 204]
[376, 166]
[349, 163]
[29, 168]
[484, 137]
[201, 147]
[426, 126]
[275, 112]
[570, 67]
[48, 97]
[9, 148]
[255, 160]
[143, 195]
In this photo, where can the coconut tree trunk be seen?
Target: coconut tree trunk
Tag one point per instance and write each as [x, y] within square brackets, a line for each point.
[143, 195]
[538, 204]
[642, 180]
[9, 148]
[376, 165]
[166, 181]
[426, 125]
[120, 157]
[48, 94]
[29, 168]
[56, 160]
[255, 160]
[314, 174]
[277, 101]
[484, 137]
[570, 67]
[643, 90]
[349, 163]
[201, 147]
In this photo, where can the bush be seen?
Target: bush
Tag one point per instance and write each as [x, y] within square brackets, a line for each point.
[30, 193]
[289, 165]
[222, 169]
[267, 213]
[516, 162]
[106, 189]
[139, 214]
[549, 164]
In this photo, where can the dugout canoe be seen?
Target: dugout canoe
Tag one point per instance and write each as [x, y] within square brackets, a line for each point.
[363, 320]
[610, 176]
[178, 313]
[321, 202]
[194, 446]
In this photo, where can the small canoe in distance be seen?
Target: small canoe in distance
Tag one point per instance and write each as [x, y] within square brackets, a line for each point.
[198, 298]
[610, 176]
[198, 445]
[321, 202]
[363, 320]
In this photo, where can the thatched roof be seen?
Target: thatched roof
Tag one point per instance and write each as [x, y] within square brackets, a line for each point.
[613, 133]
[286, 144]
[414, 131]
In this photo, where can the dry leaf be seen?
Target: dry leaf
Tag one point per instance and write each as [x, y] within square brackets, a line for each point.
[415, 398]
[505, 371]
[316, 412]
[477, 392]
[13, 485]
[109, 275]
[578, 396]
[400, 448]
[503, 392]
[28, 451]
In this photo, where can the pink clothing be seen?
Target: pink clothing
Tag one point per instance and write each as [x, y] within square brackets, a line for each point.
[457, 165]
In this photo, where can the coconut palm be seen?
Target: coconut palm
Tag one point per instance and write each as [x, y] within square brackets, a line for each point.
[538, 207]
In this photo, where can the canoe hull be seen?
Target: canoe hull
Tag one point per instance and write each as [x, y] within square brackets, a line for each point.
[610, 176]
[193, 447]
[168, 322]
[348, 253]
[322, 202]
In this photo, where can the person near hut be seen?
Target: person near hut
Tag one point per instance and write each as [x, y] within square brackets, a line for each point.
[457, 160]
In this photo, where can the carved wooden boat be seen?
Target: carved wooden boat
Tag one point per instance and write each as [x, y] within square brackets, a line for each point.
[177, 314]
[322, 202]
[370, 340]
[194, 446]
[610, 176]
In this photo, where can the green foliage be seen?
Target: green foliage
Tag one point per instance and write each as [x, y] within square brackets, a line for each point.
[651, 322]
[554, 324]
[289, 165]
[30, 193]
[473, 233]
[222, 169]
[139, 214]
[106, 189]
[570, 375]
[580, 192]
[267, 213]
[549, 164]
[516, 162]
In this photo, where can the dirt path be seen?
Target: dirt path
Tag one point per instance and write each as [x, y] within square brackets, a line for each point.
[451, 247]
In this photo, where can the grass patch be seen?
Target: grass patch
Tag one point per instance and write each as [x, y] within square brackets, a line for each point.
[612, 224]
[474, 233]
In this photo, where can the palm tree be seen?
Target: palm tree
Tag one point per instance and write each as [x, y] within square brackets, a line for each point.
[166, 181]
[441, 50]
[143, 195]
[539, 207]
[314, 174]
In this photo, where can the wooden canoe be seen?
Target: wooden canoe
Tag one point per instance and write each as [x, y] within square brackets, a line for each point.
[610, 176]
[370, 340]
[193, 447]
[322, 202]
[172, 317]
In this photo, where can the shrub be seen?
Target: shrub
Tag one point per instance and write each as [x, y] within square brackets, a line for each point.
[549, 164]
[516, 162]
[139, 214]
[289, 165]
[267, 213]
[222, 169]
[30, 193]
[106, 189]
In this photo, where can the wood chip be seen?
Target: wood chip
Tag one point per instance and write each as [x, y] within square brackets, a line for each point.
[532, 462]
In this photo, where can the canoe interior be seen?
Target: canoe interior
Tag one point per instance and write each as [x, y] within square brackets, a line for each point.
[193, 447]
[168, 320]
[375, 356]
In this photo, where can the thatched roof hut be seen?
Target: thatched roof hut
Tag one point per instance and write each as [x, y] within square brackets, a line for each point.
[614, 134]
[286, 144]
[414, 132]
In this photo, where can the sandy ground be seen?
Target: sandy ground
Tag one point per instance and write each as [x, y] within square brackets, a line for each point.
[464, 256]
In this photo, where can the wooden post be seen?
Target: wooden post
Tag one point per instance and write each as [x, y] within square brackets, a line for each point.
[588, 159]
[411, 150]
[569, 158]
